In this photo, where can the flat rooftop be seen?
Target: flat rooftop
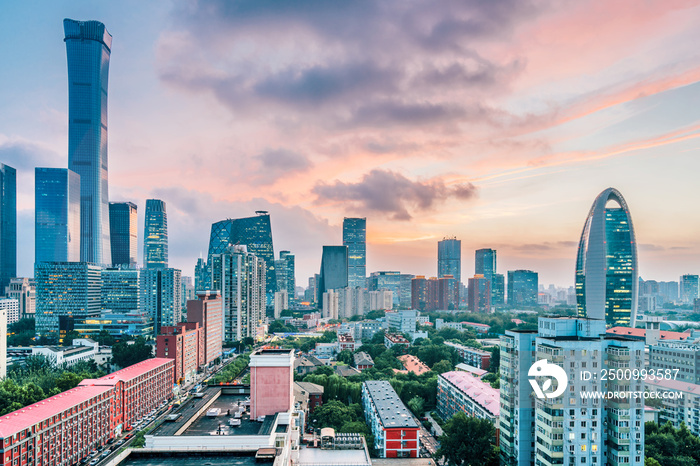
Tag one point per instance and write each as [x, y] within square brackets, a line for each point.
[316, 456]
[390, 408]
[189, 458]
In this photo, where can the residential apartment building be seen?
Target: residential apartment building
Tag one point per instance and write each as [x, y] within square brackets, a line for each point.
[472, 356]
[677, 354]
[461, 391]
[207, 311]
[571, 429]
[680, 403]
[393, 339]
[24, 291]
[183, 343]
[393, 426]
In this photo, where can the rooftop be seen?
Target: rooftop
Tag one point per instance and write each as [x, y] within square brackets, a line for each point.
[310, 388]
[30, 415]
[413, 364]
[678, 385]
[482, 393]
[363, 359]
[316, 456]
[131, 372]
[467, 368]
[641, 333]
[468, 348]
[144, 458]
[391, 410]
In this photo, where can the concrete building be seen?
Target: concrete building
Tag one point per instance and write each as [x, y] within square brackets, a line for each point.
[208, 313]
[394, 429]
[381, 300]
[461, 391]
[347, 342]
[312, 394]
[65, 428]
[677, 354]
[472, 356]
[3, 343]
[329, 307]
[402, 321]
[82, 349]
[479, 294]
[11, 309]
[570, 424]
[184, 344]
[394, 339]
[281, 301]
[24, 291]
[160, 293]
[271, 381]
[680, 402]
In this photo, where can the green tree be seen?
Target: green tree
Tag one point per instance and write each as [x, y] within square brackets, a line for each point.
[70, 336]
[651, 462]
[124, 354]
[443, 366]
[670, 446]
[104, 338]
[333, 414]
[495, 362]
[345, 356]
[68, 380]
[468, 441]
[417, 405]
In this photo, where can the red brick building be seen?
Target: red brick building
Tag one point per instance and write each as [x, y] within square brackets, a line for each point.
[208, 312]
[64, 429]
[184, 344]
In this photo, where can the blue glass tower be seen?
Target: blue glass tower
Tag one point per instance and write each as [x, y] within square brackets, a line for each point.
[253, 232]
[523, 287]
[155, 235]
[355, 238]
[606, 263]
[334, 270]
[8, 225]
[88, 47]
[56, 215]
[123, 230]
[450, 258]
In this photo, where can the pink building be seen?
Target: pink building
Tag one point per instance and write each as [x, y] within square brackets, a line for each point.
[271, 381]
[183, 343]
[207, 310]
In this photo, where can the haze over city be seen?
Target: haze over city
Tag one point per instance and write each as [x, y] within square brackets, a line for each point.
[497, 123]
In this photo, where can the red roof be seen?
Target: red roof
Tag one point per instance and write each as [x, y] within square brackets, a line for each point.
[476, 324]
[28, 416]
[131, 372]
[641, 333]
[482, 393]
[413, 364]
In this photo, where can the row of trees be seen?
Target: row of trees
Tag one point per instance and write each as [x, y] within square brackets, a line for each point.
[232, 370]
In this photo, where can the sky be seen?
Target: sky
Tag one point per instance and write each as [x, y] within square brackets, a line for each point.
[494, 122]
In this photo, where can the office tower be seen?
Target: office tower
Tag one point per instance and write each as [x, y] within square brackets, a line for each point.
[65, 292]
[8, 224]
[240, 277]
[448, 293]
[120, 290]
[24, 291]
[450, 258]
[606, 263]
[424, 293]
[160, 296]
[188, 291]
[498, 288]
[207, 311]
[202, 281]
[396, 282]
[123, 228]
[479, 294]
[334, 269]
[577, 426]
[155, 235]
[485, 263]
[689, 288]
[3, 343]
[256, 234]
[355, 238]
[88, 48]
[522, 288]
[281, 302]
[56, 215]
[289, 277]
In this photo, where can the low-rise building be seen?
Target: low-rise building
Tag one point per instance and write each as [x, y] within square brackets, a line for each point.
[118, 324]
[677, 354]
[310, 394]
[394, 339]
[393, 426]
[82, 349]
[306, 364]
[461, 391]
[347, 342]
[413, 364]
[326, 350]
[680, 402]
[363, 361]
[472, 356]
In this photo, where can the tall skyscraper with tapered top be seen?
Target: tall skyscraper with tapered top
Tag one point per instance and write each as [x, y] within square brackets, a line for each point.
[8, 225]
[355, 238]
[88, 47]
[155, 235]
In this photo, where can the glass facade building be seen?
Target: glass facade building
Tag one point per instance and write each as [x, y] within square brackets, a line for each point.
[485, 262]
[123, 228]
[160, 296]
[690, 288]
[355, 238]
[285, 269]
[88, 48]
[56, 215]
[450, 258]
[155, 235]
[120, 290]
[334, 270]
[65, 292]
[523, 288]
[256, 234]
[606, 263]
[8, 224]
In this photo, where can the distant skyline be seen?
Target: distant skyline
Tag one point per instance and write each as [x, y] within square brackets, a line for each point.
[497, 123]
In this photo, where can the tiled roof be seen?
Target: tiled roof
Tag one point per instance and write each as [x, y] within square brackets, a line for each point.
[641, 333]
[391, 410]
[310, 388]
[675, 385]
[481, 392]
[413, 364]
[363, 359]
[467, 368]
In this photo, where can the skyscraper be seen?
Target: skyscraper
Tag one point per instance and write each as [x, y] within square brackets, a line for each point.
[485, 262]
[606, 263]
[88, 48]
[155, 235]
[56, 215]
[8, 225]
[334, 269]
[690, 288]
[450, 258]
[123, 228]
[256, 234]
[355, 238]
[479, 294]
[120, 290]
[160, 296]
[522, 288]
[284, 268]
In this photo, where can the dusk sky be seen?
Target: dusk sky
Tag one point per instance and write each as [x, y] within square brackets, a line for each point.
[497, 122]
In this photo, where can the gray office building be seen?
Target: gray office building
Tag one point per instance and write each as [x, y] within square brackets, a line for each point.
[88, 48]
[8, 225]
[56, 215]
[123, 227]
[155, 235]
[450, 258]
[355, 238]
[689, 288]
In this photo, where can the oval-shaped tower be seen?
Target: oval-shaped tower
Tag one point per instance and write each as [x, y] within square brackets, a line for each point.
[606, 263]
